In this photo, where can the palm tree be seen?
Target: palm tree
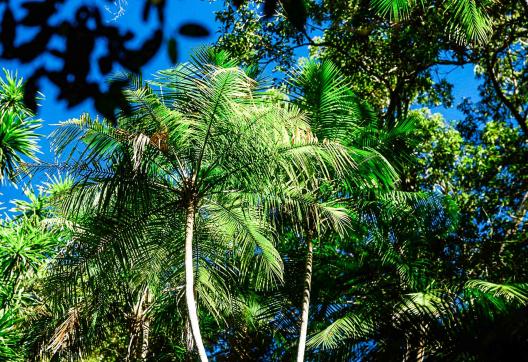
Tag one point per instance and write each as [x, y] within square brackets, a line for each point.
[201, 155]
[335, 114]
[18, 137]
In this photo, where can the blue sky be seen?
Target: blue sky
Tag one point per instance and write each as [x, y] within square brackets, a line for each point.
[52, 111]
[177, 13]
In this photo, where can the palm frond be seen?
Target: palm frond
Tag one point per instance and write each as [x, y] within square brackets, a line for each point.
[350, 326]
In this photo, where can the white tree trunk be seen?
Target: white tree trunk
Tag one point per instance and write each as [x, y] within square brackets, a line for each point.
[189, 283]
[146, 327]
[420, 354]
[306, 302]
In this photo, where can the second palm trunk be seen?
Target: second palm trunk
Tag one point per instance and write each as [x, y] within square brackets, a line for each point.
[189, 282]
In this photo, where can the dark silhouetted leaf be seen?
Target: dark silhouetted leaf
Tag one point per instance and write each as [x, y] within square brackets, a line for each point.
[35, 47]
[146, 10]
[193, 30]
[160, 6]
[133, 60]
[105, 64]
[172, 49]
[30, 92]
[37, 12]
[8, 32]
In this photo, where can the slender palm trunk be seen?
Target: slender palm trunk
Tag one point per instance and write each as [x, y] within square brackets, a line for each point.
[146, 327]
[420, 350]
[306, 302]
[420, 354]
[189, 340]
[408, 351]
[139, 330]
[145, 340]
[189, 282]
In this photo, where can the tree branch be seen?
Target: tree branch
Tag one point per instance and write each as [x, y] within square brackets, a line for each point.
[521, 120]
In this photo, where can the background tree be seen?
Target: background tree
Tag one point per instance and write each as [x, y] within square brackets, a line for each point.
[393, 62]
[501, 64]
[483, 170]
[335, 114]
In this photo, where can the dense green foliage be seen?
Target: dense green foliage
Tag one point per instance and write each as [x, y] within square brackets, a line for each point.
[393, 64]
[17, 127]
[321, 215]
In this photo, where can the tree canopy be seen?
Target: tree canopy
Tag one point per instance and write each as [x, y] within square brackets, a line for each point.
[252, 204]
